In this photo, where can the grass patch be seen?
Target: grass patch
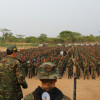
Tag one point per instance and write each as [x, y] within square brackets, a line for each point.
[2, 44]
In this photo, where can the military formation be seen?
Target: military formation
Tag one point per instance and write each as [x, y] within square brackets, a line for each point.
[47, 62]
[85, 59]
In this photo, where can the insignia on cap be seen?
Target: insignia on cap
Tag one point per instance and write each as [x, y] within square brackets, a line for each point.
[14, 49]
[48, 68]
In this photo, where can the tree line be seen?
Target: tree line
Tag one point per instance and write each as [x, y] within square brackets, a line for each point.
[63, 37]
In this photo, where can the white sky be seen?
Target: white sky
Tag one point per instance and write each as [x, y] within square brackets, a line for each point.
[33, 17]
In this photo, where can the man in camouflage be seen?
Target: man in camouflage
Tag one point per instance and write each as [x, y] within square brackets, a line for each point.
[93, 69]
[11, 77]
[77, 70]
[69, 69]
[30, 73]
[48, 74]
[98, 67]
[86, 69]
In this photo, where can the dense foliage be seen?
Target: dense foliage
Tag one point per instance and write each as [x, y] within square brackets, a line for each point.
[63, 37]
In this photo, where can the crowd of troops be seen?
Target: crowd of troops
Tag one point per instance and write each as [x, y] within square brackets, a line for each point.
[87, 61]
[84, 59]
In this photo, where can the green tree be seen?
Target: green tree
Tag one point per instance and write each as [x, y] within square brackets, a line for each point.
[57, 40]
[91, 38]
[7, 36]
[42, 37]
[97, 38]
[68, 35]
[31, 39]
[20, 37]
[4, 30]
[13, 39]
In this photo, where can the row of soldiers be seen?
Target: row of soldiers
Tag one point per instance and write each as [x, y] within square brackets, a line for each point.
[72, 56]
[34, 57]
[85, 59]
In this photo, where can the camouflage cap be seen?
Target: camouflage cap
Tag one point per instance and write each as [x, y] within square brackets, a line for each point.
[48, 70]
[12, 48]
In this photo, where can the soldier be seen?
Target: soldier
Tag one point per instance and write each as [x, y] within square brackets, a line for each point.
[70, 69]
[60, 67]
[48, 74]
[86, 69]
[72, 64]
[11, 77]
[30, 73]
[98, 67]
[77, 70]
[93, 69]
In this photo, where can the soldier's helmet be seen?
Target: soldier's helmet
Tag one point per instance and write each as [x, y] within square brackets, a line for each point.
[48, 70]
[12, 48]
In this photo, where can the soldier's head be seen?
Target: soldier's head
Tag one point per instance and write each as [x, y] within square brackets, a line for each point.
[48, 74]
[12, 50]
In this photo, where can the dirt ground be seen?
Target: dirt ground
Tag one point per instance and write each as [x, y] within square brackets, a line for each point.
[86, 89]
[3, 48]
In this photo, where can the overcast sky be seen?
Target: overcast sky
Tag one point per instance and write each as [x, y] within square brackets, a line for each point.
[33, 17]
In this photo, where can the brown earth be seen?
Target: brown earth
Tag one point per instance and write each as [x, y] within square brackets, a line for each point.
[86, 89]
[3, 48]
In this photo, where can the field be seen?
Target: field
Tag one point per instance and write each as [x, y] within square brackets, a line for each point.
[86, 89]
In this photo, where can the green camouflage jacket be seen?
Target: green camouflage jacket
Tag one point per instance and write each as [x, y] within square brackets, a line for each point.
[10, 79]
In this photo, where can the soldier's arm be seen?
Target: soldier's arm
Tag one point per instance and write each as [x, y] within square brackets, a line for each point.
[19, 75]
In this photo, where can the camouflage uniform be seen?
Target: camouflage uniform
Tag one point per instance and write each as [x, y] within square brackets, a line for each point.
[47, 71]
[30, 73]
[77, 70]
[98, 68]
[69, 69]
[93, 70]
[86, 70]
[10, 79]
[60, 67]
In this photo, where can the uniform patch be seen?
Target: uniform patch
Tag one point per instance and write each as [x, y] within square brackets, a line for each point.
[45, 96]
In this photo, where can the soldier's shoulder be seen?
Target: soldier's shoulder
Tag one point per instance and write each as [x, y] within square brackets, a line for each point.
[29, 97]
[14, 61]
[65, 98]
[9, 59]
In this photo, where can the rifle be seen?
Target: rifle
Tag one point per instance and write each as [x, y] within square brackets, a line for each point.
[74, 92]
